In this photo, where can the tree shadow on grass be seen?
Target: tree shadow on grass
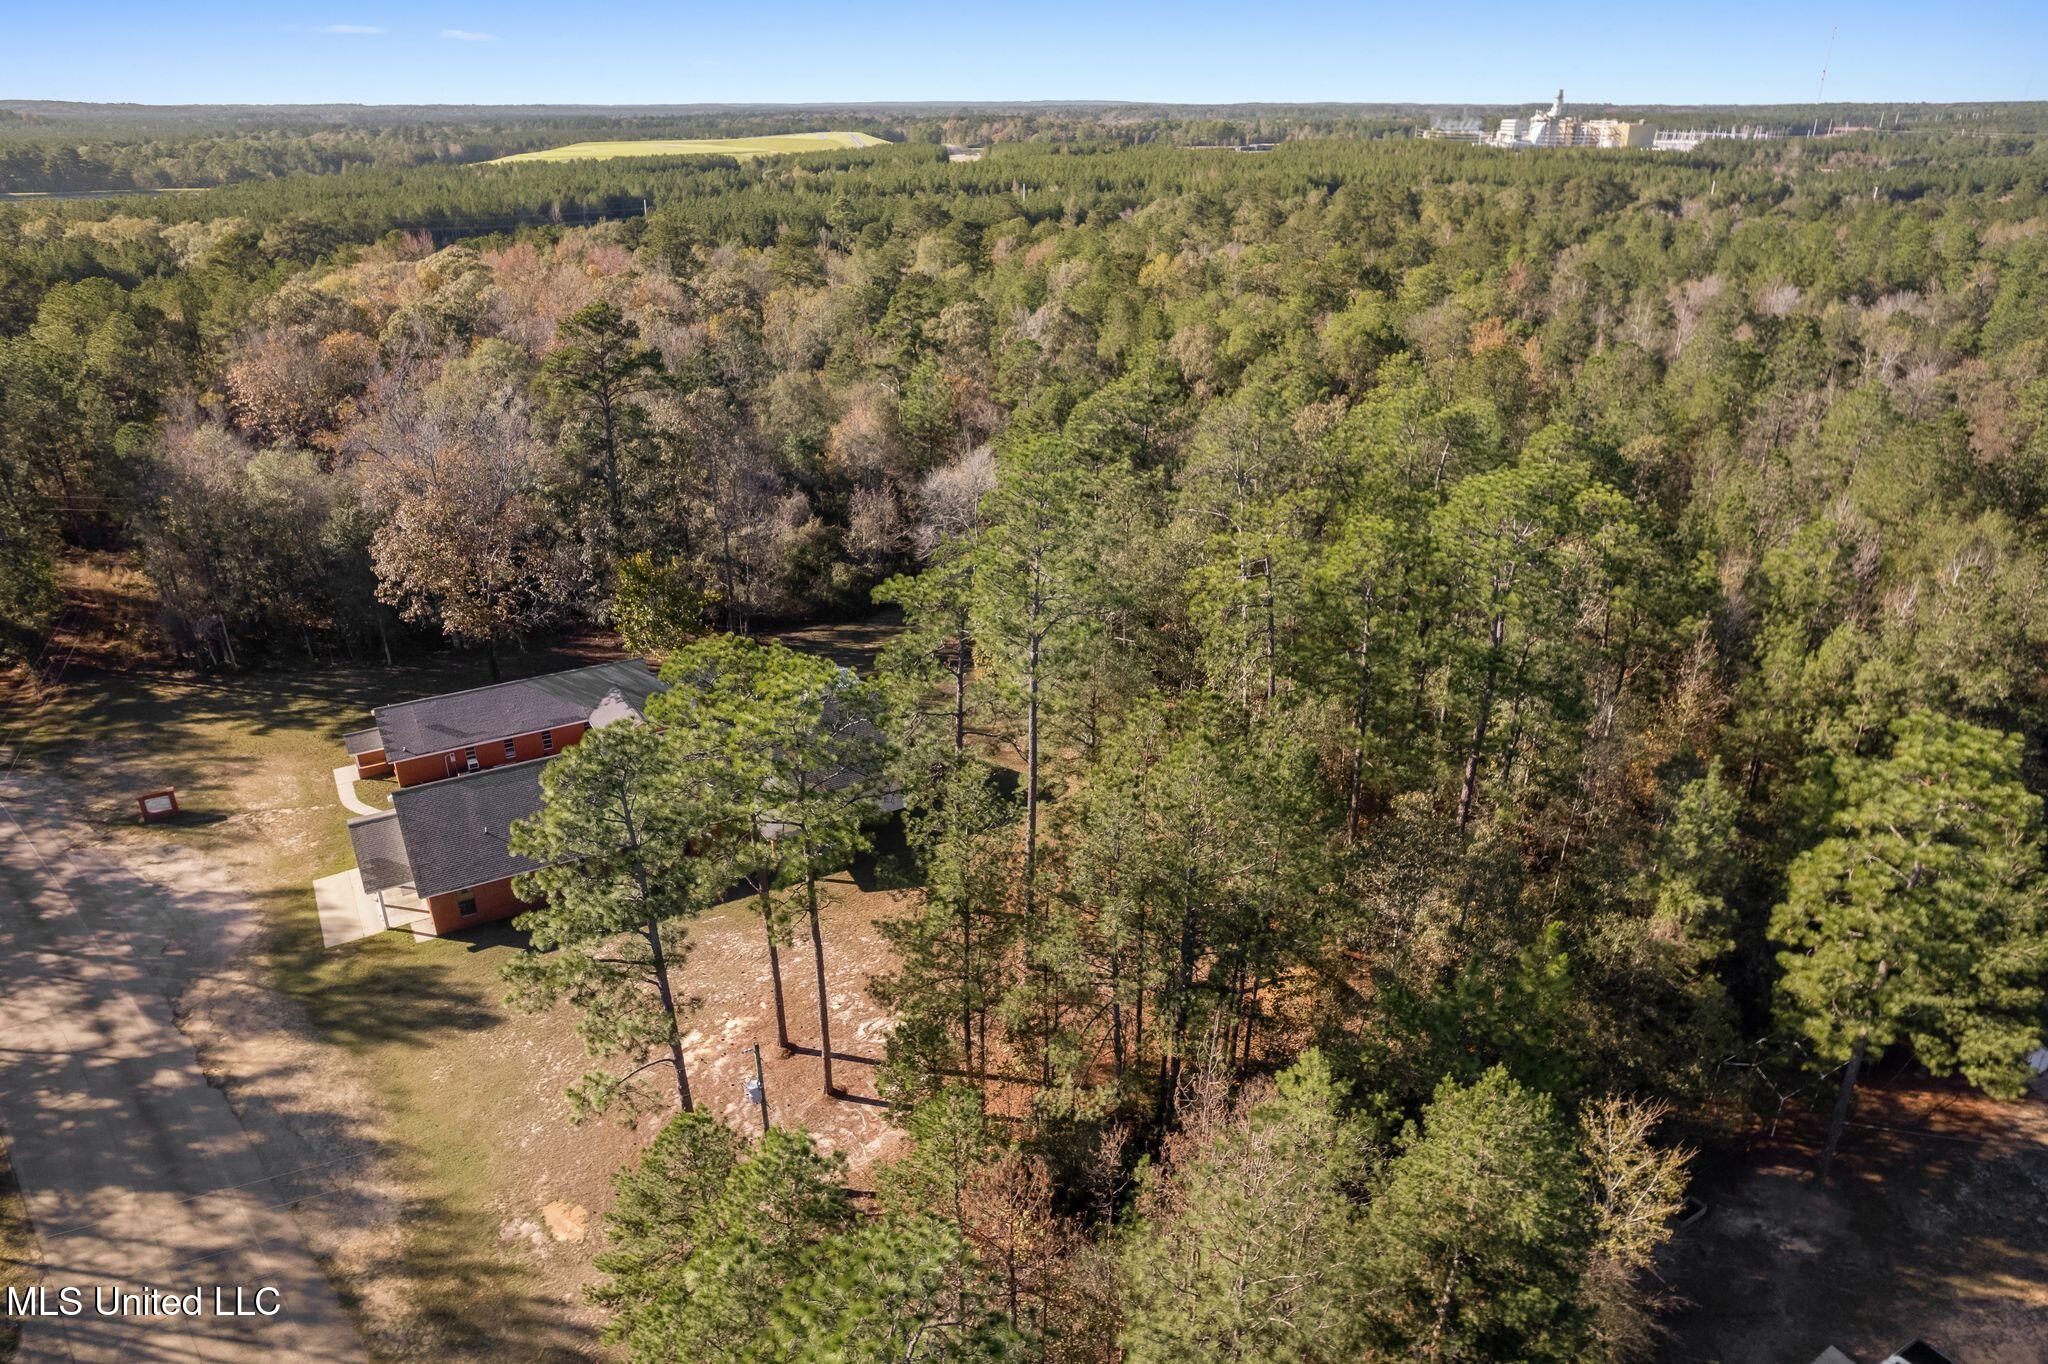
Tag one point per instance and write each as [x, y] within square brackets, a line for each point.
[384, 990]
[466, 1296]
[127, 1157]
[850, 644]
[448, 1287]
[472, 1302]
[17, 1248]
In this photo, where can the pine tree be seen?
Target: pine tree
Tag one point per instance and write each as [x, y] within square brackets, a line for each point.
[1477, 1235]
[1193, 857]
[881, 1294]
[591, 382]
[953, 950]
[1038, 590]
[651, 1228]
[1505, 566]
[1920, 916]
[791, 742]
[1247, 1241]
[758, 1257]
[704, 1237]
[1250, 492]
[962, 1168]
[629, 849]
[933, 658]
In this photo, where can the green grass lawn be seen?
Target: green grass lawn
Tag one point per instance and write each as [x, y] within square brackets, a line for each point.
[743, 147]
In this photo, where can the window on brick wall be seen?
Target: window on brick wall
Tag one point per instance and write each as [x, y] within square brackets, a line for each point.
[465, 904]
[511, 750]
[547, 741]
[469, 759]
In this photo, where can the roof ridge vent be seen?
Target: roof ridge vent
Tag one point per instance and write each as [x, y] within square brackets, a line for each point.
[612, 709]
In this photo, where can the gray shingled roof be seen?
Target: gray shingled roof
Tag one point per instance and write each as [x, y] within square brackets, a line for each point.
[362, 741]
[380, 851]
[455, 830]
[435, 724]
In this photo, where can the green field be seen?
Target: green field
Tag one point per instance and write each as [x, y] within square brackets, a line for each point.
[773, 145]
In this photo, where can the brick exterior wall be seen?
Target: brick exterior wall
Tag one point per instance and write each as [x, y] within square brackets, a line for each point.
[493, 902]
[490, 753]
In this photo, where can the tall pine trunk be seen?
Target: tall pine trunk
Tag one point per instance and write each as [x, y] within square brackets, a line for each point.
[1272, 637]
[1031, 787]
[1841, 1114]
[962, 661]
[1470, 788]
[1360, 718]
[1031, 858]
[615, 497]
[967, 984]
[824, 1006]
[668, 1004]
[731, 604]
[774, 967]
[1840, 1119]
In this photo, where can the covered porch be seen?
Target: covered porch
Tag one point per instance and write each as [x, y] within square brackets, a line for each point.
[378, 893]
[350, 912]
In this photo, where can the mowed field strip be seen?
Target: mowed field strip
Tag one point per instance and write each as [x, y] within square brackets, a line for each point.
[772, 145]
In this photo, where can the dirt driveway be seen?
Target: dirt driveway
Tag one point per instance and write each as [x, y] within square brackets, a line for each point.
[135, 1172]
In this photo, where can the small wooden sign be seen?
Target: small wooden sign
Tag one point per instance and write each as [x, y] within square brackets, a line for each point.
[157, 805]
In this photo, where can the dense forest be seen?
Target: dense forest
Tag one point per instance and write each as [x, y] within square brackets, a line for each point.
[1433, 681]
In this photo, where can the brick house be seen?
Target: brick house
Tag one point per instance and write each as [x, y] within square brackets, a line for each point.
[468, 766]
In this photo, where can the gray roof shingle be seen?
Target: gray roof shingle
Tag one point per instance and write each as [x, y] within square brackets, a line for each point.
[455, 830]
[380, 851]
[362, 741]
[436, 724]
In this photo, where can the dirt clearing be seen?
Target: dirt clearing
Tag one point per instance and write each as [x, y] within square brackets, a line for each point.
[1936, 1229]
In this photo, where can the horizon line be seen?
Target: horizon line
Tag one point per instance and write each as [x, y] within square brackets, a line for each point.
[990, 103]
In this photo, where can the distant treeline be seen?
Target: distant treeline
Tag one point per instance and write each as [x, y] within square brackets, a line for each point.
[718, 199]
[59, 148]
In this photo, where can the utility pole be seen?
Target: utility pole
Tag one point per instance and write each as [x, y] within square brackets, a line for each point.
[757, 1090]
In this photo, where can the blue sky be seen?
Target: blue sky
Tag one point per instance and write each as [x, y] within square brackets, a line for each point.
[685, 51]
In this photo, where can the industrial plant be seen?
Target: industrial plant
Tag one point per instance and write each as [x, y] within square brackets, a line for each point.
[1553, 127]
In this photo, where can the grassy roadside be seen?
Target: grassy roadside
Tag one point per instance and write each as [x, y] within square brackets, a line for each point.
[17, 1250]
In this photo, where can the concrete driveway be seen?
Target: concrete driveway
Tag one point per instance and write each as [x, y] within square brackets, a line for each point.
[136, 1172]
